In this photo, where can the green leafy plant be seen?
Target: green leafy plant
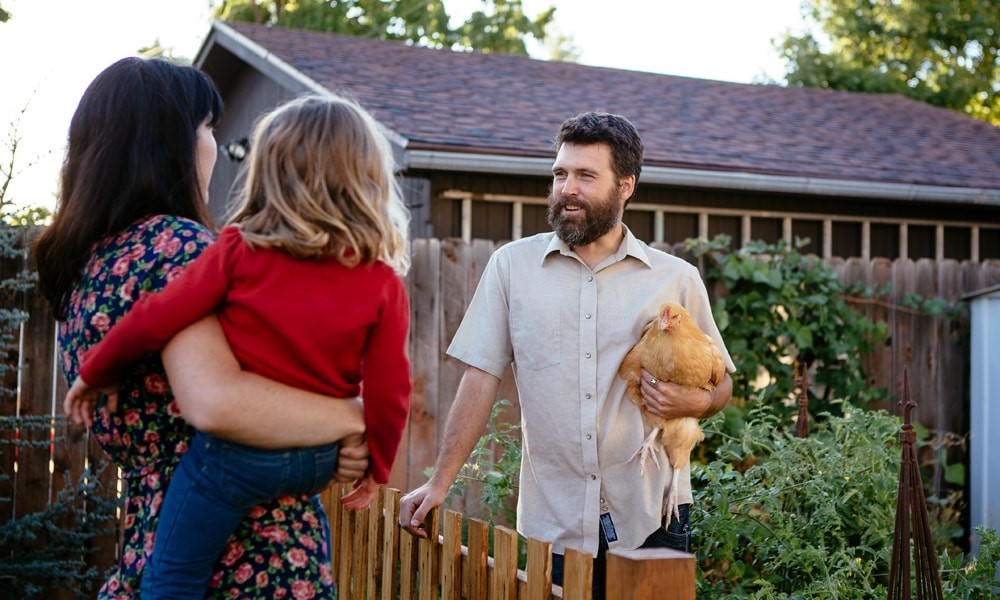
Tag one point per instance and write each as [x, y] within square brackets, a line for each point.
[811, 517]
[783, 311]
[497, 477]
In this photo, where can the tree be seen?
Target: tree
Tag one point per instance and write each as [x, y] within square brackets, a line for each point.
[503, 30]
[4, 15]
[943, 52]
[500, 27]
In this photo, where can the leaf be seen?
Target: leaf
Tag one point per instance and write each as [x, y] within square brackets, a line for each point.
[955, 473]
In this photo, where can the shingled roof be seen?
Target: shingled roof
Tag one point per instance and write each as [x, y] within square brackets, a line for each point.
[474, 103]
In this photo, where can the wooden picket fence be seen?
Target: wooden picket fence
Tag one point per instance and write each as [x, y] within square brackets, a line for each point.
[375, 559]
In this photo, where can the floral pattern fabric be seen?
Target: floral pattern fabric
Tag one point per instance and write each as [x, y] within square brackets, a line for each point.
[280, 550]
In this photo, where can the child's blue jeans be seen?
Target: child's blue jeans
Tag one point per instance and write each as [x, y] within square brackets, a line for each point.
[213, 488]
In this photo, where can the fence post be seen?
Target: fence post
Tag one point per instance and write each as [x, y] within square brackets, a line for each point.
[578, 577]
[659, 573]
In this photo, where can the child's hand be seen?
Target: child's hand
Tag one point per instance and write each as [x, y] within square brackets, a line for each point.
[81, 401]
[362, 495]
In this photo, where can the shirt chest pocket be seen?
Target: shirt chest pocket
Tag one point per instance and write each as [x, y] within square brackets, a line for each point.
[536, 336]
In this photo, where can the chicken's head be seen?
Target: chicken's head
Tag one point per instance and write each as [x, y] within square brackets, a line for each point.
[671, 314]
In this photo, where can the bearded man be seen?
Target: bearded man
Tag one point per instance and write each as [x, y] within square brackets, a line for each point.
[564, 308]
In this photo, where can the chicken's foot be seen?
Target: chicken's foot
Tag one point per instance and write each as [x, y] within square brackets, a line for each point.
[649, 448]
[670, 503]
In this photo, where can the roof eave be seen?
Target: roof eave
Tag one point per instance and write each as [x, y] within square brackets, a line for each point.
[436, 160]
[271, 66]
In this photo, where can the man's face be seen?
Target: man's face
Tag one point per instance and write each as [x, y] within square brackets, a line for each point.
[586, 197]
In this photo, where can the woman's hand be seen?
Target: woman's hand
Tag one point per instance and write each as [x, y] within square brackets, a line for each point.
[353, 459]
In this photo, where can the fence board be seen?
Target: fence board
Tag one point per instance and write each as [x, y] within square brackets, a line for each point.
[427, 560]
[390, 544]
[426, 352]
[375, 546]
[925, 361]
[901, 328]
[881, 362]
[451, 556]
[456, 262]
[9, 268]
[475, 583]
[35, 399]
[344, 555]
[578, 575]
[503, 584]
[407, 566]
[539, 570]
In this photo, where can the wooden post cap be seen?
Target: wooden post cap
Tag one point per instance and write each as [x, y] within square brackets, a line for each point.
[649, 573]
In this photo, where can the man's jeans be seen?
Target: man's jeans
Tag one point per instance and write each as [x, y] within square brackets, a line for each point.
[676, 536]
[213, 488]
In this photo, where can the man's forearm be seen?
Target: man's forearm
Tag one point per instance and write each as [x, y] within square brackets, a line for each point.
[465, 424]
[719, 396]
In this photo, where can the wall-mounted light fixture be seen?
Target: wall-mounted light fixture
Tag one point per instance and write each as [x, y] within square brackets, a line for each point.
[235, 150]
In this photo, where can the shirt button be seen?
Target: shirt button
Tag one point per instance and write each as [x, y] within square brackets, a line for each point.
[587, 396]
[590, 278]
[602, 501]
[587, 315]
[590, 437]
[593, 477]
[587, 355]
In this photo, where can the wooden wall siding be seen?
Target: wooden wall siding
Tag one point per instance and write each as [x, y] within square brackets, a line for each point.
[260, 95]
[836, 226]
[441, 283]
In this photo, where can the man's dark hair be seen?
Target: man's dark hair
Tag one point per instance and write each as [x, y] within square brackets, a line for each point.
[605, 128]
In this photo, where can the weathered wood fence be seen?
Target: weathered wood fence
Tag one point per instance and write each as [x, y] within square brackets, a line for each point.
[374, 558]
[441, 283]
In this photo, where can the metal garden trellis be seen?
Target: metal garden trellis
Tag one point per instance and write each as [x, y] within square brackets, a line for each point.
[911, 511]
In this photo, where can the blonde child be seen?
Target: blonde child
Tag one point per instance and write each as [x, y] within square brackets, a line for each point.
[306, 280]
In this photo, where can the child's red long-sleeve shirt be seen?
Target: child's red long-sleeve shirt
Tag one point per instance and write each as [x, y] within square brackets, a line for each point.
[313, 324]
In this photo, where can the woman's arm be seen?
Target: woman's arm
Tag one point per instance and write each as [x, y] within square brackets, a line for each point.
[219, 398]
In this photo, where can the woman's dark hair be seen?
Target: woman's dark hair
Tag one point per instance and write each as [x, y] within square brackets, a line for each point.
[131, 154]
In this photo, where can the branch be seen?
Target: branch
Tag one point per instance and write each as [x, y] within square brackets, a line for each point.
[884, 304]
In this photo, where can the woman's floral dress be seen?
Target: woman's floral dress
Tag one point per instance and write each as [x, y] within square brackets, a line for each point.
[280, 550]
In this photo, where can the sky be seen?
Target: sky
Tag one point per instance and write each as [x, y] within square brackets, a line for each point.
[52, 49]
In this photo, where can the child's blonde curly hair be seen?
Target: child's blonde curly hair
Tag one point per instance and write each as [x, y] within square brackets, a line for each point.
[321, 182]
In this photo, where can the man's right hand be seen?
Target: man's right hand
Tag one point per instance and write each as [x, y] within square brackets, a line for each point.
[413, 508]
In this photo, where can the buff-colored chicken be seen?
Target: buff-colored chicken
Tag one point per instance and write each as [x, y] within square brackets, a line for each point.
[672, 348]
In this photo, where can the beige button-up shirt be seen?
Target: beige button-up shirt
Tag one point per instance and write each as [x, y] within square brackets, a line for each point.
[566, 328]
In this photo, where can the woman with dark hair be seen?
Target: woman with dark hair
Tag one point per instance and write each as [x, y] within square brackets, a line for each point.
[131, 214]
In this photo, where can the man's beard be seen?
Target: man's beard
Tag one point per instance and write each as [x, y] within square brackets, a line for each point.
[598, 217]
